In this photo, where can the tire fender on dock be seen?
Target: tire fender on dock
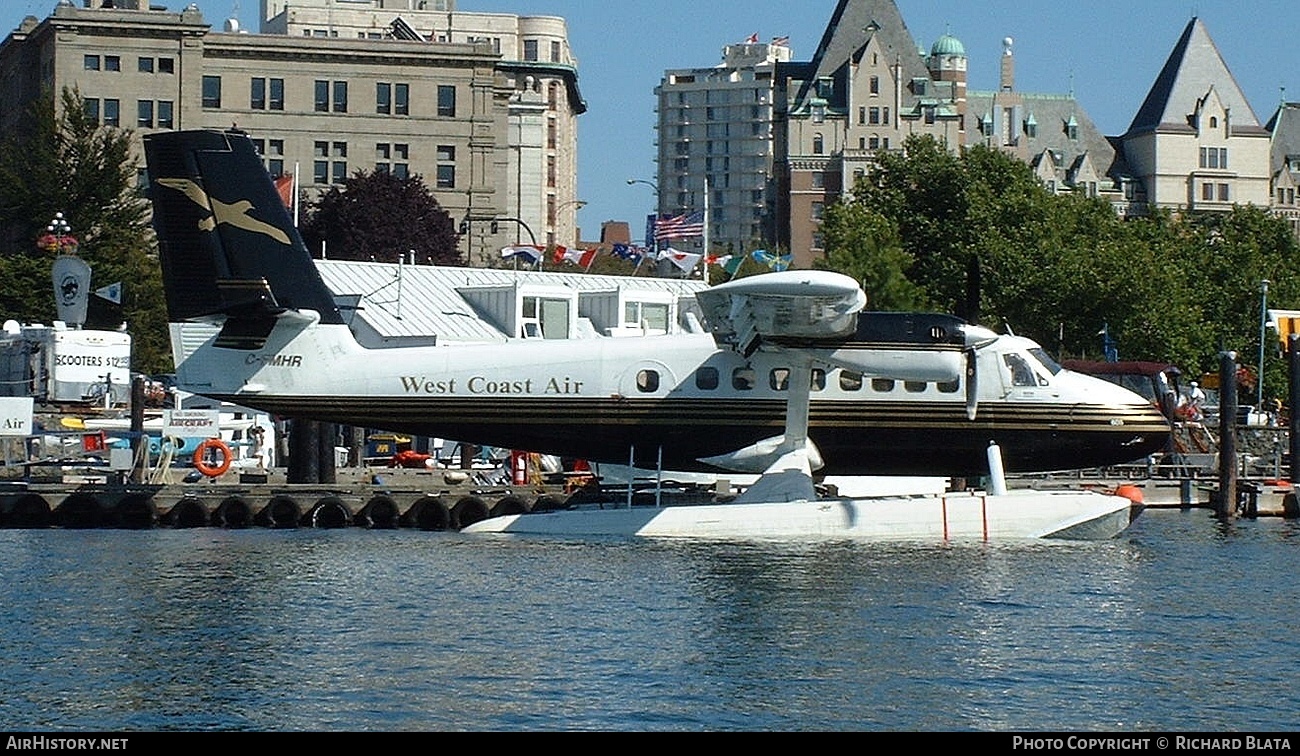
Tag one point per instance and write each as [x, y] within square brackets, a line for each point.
[233, 512]
[468, 510]
[330, 512]
[379, 513]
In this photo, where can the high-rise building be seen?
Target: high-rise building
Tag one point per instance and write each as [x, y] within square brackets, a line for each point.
[715, 145]
[483, 106]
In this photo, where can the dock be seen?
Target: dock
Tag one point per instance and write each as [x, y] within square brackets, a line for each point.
[375, 498]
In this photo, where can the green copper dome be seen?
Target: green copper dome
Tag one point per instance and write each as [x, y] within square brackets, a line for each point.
[948, 45]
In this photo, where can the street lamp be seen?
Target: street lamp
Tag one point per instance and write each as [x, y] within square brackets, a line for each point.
[654, 186]
[1263, 322]
[58, 236]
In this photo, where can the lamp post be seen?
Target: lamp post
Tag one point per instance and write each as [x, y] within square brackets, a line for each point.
[654, 186]
[1263, 322]
[576, 203]
[532, 237]
[58, 236]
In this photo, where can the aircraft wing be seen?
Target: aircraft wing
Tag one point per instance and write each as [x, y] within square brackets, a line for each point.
[794, 304]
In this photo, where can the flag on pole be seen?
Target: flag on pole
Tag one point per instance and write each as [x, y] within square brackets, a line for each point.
[680, 226]
[580, 257]
[729, 263]
[684, 260]
[753, 39]
[284, 185]
[112, 292]
[781, 41]
[775, 262]
[528, 253]
[626, 251]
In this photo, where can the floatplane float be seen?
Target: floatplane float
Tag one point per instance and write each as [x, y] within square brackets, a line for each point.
[790, 378]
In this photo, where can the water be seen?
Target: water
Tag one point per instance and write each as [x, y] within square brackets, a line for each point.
[1183, 623]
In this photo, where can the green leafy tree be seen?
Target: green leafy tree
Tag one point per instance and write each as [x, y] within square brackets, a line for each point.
[1060, 269]
[866, 246]
[382, 217]
[65, 161]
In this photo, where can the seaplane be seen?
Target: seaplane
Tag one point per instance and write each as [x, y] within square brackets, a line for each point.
[789, 379]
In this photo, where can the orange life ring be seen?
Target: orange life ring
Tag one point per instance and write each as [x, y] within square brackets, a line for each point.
[213, 469]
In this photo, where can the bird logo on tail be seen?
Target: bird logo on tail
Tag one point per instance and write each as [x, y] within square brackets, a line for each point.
[235, 213]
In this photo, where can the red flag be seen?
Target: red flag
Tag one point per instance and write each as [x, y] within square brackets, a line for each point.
[284, 185]
[753, 39]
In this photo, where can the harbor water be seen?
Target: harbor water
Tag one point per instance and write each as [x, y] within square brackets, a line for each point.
[1183, 623]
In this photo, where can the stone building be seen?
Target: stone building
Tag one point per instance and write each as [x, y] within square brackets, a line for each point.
[483, 106]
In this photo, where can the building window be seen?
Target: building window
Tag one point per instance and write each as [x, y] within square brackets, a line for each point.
[322, 96]
[392, 98]
[90, 62]
[873, 117]
[555, 51]
[257, 93]
[1207, 192]
[818, 210]
[211, 91]
[145, 65]
[144, 114]
[277, 94]
[446, 100]
[819, 145]
[402, 99]
[340, 97]
[873, 85]
[91, 108]
[530, 49]
[1214, 157]
[1223, 193]
[166, 66]
[112, 113]
[392, 158]
[446, 170]
[165, 109]
[112, 63]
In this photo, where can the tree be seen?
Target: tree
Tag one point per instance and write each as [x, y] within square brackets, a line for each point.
[866, 246]
[1060, 268]
[67, 162]
[382, 217]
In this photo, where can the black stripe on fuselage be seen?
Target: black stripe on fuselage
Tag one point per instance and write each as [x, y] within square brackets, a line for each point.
[854, 437]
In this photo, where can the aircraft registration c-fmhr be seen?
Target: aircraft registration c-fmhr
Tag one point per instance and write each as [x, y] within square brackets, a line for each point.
[785, 361]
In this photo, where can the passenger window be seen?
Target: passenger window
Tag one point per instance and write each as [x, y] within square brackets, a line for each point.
[883, 385]
[818, 379]
[742, 379]
[949, 387]
[914, 387]
[706, 378]
[647, 381]
[779, 379]
[850, 381]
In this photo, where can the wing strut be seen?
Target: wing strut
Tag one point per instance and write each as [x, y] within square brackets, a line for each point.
[789, 477]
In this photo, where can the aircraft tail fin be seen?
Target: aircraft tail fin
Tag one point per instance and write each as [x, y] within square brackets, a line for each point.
[227, 243]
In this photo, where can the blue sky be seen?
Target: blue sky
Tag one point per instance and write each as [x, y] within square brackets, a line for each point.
[1107, 52]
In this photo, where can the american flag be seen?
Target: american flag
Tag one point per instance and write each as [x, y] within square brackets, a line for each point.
[781, 41]
[680, 226]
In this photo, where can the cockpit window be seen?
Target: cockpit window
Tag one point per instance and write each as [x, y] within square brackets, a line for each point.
[1021, 373]
[1046, 360]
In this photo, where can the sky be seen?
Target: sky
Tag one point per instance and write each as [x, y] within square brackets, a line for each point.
[1108, 52]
